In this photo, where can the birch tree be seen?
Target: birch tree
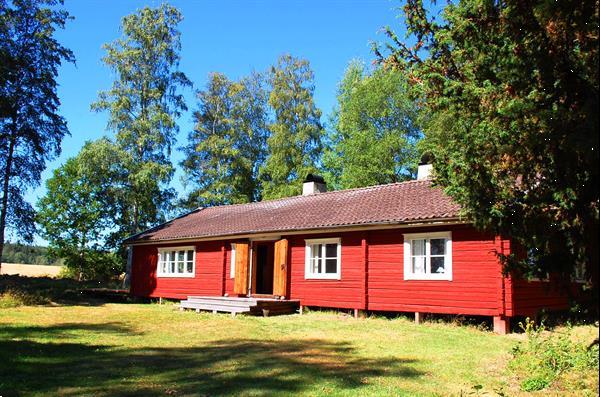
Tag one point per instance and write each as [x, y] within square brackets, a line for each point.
[143, 104]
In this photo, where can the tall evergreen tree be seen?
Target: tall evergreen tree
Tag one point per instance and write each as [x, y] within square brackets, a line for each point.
[295, 142]
[31, 130]
[228, 143]
[143, 104]
[374, 130]
[512, 88]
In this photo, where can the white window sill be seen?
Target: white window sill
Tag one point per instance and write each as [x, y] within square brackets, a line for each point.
[175, 275]
[428, 277]
[323, 277]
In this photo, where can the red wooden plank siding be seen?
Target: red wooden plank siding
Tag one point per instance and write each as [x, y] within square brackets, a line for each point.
[532, 296]
[475, 276]
[207, 280]
[345, 293]
[372, 276]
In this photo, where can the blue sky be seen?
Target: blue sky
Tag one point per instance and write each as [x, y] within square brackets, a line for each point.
[232, 37]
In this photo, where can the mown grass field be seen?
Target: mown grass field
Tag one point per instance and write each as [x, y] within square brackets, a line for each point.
[121, 349]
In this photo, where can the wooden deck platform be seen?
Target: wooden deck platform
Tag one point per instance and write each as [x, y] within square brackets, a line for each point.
[253, 306]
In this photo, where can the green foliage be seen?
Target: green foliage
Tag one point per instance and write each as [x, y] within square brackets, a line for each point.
[14, 297]
[375, 133]
[76, 214]
[228, 144]
[295, 141]
[543, 358]
[512, 91]
[29, 254]
[31, 128]
[143, 105]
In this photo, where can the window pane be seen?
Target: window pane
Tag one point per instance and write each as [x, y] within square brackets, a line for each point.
[331, 266]
[437, 264]
[172, 255]
[190, 255]
[190, 267]
[171, 267]
[316, 265]
[418, 264]
[180, 266]
[418, 247]
[180, 256]
[315, 251]
[331, 251]
[438, 246]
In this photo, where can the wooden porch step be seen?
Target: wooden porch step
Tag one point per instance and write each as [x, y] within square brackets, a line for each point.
[235, 305]
[217, 308]
[220, 302]
[222, 298]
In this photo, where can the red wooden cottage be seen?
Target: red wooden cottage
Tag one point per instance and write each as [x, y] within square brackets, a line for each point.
[398, 247]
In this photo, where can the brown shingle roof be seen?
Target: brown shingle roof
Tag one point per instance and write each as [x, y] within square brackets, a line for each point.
[394, 203]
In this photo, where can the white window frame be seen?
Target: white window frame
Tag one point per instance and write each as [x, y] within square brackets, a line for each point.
[408, 273]
[308, 273]
[578, 275]
[160, 273]
[232, 262]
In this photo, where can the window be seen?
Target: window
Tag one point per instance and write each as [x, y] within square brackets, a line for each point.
[428, 256]
[232, 265]
[579, 273]
[176, 262]
[323, 258]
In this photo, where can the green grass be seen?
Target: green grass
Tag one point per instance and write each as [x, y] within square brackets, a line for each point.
[118, 349]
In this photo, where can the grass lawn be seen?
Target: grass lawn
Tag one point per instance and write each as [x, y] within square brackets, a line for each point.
[120, 349]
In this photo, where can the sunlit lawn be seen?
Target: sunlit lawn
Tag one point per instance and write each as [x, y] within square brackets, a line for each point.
[156, 350]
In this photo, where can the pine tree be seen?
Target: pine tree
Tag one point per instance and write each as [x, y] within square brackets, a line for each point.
[512, 90]
[295, 142]
[228, 143]
[31, 129]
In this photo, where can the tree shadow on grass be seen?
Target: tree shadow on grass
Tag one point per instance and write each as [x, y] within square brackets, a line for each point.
[223, 367]
[62, 291]
[63, 330]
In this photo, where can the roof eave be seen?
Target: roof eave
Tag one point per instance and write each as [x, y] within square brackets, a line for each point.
[319, 230]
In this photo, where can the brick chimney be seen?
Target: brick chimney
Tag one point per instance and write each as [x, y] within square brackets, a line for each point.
[313, 184]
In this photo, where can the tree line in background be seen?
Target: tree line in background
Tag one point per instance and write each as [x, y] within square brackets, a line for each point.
[502, 96]
[23, 253]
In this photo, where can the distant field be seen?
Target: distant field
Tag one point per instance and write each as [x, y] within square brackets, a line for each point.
[23, 269]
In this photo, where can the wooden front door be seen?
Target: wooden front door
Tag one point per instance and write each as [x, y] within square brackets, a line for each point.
[280, 268]
[242, 264]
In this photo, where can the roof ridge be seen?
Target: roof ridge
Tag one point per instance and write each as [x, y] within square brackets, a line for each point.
[371, 187]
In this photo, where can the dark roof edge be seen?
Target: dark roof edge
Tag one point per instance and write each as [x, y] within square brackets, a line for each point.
[325, 229]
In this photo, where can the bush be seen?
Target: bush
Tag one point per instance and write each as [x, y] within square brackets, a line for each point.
[545, 357]
[16, 297]
[94, 265]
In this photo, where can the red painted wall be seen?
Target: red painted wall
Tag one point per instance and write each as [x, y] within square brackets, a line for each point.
[344, 293]
[372, 276]
[532, 296]
[208, 278]
[476, 276]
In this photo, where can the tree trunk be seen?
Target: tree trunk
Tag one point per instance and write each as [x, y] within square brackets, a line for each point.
[5, 185]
